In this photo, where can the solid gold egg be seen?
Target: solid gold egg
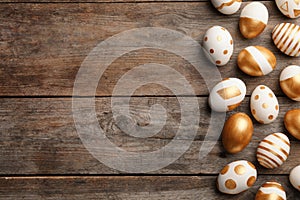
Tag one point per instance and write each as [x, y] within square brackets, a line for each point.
[292, 122]
[237, 132]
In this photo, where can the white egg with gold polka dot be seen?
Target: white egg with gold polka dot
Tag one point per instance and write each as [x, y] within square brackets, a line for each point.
[227, 7]
[218, 45]
[271, 191]
[295, 178]
[227, 95]
[290, 8]
[264, 105]
[236, 177]
[273, 150]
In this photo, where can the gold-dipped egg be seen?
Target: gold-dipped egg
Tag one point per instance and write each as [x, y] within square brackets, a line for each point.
[237, 132]
[256, 61]
[271, 191]
[290, 82]
[292, 122]
[253, 20]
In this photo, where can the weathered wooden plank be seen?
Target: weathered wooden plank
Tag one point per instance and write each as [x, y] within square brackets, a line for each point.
[97, 1]
[38, 136]
[43, 45]
[102, 1]
[132, 187]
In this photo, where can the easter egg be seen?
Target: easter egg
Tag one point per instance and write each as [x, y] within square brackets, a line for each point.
[236, 177]
[286, 37]
[227, 95]
[290, 82]
[264, 105]
[256, 61]
[292, 122]
[295, 178]
[271, 191]
[273, 150]
[253, 20]
[218, 45]
[237, 132]
[227, 7]
[290, 8]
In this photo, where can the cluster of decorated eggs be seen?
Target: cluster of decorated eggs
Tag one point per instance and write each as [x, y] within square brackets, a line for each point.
[228, 94]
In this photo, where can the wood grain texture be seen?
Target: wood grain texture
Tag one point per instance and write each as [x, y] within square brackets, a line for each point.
[48, 42]
[97, 1]
[151, 187]
[42, 45]
[38, 136]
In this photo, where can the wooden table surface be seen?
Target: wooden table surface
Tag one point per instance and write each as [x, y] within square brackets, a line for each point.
[42, 45]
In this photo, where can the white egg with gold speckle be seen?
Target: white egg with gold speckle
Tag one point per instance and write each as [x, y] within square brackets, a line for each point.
[218, 45]
[264, 105]
[271, 191]
[236, 177]
[227, 7]
[290, 8]
[295, 178]
[227, 95]
[273, 150]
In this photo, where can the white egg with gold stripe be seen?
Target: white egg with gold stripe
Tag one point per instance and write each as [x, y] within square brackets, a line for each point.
[256, 61]
[227, 95]
[271, 191]
[273, 150]
[286, 37]
[264, 105]
[227, 7]
[236, 177]
[290, 8]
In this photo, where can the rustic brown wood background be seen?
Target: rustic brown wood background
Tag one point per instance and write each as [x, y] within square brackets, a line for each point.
[42, 45]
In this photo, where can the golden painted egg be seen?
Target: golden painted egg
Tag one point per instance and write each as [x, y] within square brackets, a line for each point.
[218, 45]
[237, 132]
[286, 37]
[271, 191]
[227, 7]
[227, 95]
[273, 150]
[256, 61]
[290, 82]
[264, 105]
[292, 122]
[253, 20]
[290, 8]
[236, 177]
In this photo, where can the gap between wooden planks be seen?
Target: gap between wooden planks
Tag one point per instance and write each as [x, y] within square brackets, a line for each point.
[38, 136]
[127, 187]
[43, 45]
